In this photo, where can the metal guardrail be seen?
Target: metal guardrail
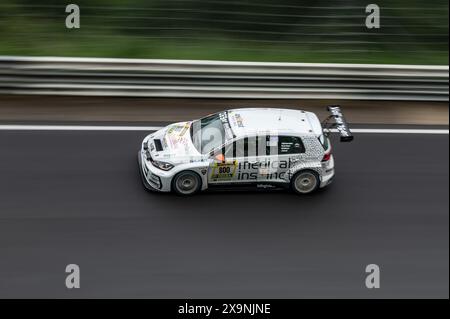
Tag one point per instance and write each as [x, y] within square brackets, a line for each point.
[219, 79]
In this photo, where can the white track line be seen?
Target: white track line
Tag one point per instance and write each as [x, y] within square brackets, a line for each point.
[76, 128]
[154, 128]
[398, 131]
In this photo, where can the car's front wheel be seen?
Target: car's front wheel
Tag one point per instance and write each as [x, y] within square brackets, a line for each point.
[305, 182]
[186, 183]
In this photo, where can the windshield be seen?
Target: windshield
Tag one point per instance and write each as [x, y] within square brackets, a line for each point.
[208, 133]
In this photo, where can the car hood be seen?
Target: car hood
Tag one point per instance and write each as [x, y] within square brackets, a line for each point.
[175, 144]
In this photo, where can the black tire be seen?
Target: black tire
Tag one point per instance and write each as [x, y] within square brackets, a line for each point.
[186, 183]
[305, 182]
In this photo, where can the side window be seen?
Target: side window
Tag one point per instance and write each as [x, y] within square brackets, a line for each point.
[324, 141]
[290, 145]
[230, 150]
[243, 147]
[272, 144]
[254, 146]
[251, 146]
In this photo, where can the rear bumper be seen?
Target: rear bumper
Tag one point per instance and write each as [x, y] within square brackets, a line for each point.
[328, 173]
[327, 179]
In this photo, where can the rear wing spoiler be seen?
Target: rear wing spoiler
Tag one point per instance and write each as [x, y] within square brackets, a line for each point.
[336, 120]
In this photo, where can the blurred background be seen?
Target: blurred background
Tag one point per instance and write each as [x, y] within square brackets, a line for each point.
[412, 32]
[70, 190]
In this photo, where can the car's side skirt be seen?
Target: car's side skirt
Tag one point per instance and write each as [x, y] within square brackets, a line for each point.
[248, 186]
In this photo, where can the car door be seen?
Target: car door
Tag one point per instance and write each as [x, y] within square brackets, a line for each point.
[235, 162]
[222, 167]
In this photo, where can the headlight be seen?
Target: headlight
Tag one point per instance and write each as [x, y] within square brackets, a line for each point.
[162, 165]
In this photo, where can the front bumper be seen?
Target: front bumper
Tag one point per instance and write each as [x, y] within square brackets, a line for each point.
[153, 178]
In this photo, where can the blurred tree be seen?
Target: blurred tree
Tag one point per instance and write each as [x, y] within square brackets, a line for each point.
[289, 30]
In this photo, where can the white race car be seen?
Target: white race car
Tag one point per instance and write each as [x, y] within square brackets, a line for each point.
[257, 147]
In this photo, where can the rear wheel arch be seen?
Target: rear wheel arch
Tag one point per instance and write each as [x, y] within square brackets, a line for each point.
[305, 181]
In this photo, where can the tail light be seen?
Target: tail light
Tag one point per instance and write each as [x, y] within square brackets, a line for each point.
[326, 157]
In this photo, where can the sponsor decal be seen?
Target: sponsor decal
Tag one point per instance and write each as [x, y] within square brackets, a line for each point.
[223, 171]
[268, 170]
[226, 125]
[264, 186]
[223, 117]
[239, 121]
[341, 124]
[269, 164]
[185, 128]
[174, 129]
[176, 135]
[286, 146]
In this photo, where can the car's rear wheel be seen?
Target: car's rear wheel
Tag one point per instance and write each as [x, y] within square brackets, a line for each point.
[186, 183]
[305, 182]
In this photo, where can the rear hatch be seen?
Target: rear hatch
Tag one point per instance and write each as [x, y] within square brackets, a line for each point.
[314, 123]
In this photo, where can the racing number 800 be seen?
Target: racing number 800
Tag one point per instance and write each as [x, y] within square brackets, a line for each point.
[224, 170]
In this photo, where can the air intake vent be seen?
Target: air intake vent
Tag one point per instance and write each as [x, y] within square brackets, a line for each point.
[158, 145]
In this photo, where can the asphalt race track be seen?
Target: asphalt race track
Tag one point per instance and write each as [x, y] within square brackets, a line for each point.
[76, 197]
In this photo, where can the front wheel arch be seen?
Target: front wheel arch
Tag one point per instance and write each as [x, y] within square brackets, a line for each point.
[176, 190]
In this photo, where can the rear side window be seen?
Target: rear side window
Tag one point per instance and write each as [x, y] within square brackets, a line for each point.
[285, 145]
[324, 141]
[273, 145]
[290, 145]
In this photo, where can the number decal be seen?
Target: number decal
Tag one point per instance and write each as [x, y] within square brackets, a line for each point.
[223, 171]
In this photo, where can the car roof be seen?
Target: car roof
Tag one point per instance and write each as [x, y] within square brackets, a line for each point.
[249, 121]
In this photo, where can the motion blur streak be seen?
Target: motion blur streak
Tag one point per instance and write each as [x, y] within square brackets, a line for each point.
[247, 30]
[154, 128]
[76, 197]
